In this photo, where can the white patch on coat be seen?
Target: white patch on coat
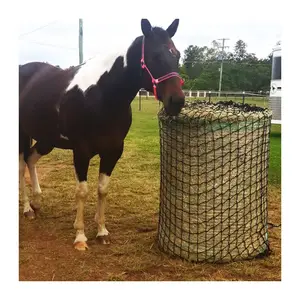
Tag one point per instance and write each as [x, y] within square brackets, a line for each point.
[90, 72]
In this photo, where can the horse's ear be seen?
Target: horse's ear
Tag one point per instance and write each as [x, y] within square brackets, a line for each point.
[146, 27]
[173, 28]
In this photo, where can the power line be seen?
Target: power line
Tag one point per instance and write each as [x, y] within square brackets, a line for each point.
[50, 45]
[36, 29]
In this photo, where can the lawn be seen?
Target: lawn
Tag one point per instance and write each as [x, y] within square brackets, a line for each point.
[46, 251]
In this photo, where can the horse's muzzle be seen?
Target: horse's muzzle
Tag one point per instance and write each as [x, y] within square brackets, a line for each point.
[174, 105]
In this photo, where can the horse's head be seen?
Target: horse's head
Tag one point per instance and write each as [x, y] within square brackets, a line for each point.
[159, 61]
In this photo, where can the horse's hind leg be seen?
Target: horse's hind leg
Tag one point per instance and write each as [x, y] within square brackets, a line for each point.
[24, 147]
[28, 211]
[36, 152]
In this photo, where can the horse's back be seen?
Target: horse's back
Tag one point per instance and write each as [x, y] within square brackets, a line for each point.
[43, 90]
[27, 71]
[38, 95]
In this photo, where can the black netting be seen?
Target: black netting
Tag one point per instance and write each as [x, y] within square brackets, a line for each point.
[214, 177]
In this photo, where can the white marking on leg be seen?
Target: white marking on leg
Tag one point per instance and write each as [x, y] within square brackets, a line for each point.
[32, 160]
[102, 231]
[80, 237]
[22, 167]
[100, 213]
[81, 197]
[90, 72]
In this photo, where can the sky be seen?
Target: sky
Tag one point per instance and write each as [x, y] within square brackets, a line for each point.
[57, 42]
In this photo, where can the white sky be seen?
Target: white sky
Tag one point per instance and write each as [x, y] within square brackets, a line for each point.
[260, 31]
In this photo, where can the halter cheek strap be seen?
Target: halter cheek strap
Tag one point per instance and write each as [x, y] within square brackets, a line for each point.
[156, 81]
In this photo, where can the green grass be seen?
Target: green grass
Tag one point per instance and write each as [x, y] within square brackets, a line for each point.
[144, 134]
[275, 155]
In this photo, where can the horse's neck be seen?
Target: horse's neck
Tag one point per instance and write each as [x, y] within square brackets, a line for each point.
[116, 99]
[125, 90]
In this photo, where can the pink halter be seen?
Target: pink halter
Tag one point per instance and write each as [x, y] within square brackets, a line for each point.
[155, 82]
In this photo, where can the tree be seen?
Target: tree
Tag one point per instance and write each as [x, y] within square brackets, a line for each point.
[192, 55]
[240, 50]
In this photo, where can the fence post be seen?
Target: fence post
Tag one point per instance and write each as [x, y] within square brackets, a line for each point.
[209, 96]
[243, 97]
[190, 94]
[140, 101]
[198, 94]
[204, 94]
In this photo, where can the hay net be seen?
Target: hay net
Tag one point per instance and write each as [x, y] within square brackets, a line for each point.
[214, 176]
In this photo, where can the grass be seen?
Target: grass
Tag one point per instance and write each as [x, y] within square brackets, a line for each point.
[144, 132]
[45, 248]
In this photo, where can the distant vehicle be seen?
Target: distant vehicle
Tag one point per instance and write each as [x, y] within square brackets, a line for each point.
[275, 86]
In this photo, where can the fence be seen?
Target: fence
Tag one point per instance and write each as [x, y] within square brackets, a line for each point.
[260, 99]
[203, 93]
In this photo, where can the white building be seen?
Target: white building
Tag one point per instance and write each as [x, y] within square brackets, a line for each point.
[275, 86]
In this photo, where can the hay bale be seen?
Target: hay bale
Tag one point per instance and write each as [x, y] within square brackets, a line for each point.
[214, 176]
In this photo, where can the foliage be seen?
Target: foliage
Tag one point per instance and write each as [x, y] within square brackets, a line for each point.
[241, 70]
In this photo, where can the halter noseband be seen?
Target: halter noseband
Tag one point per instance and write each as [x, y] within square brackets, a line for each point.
[155, 81]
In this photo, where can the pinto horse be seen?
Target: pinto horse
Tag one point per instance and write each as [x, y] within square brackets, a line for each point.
[87, 109]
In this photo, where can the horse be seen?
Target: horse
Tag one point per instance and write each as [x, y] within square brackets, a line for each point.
[87, 109]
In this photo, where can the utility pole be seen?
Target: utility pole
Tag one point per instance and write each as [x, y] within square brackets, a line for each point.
[80, 42]
[221, 68]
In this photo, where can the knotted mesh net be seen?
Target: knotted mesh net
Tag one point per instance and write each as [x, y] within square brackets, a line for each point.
[214, 177]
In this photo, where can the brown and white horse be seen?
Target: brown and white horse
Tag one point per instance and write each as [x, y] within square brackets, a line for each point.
[87, 109]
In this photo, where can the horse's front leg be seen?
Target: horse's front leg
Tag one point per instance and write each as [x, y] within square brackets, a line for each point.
[107, 164]
[81, 164]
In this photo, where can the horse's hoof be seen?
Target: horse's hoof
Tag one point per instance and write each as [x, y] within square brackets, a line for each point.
[81, 246]
[103, 239]
[29, 214]
[35, 206]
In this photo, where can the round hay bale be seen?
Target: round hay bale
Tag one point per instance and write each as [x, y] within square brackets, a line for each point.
[214, 176]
